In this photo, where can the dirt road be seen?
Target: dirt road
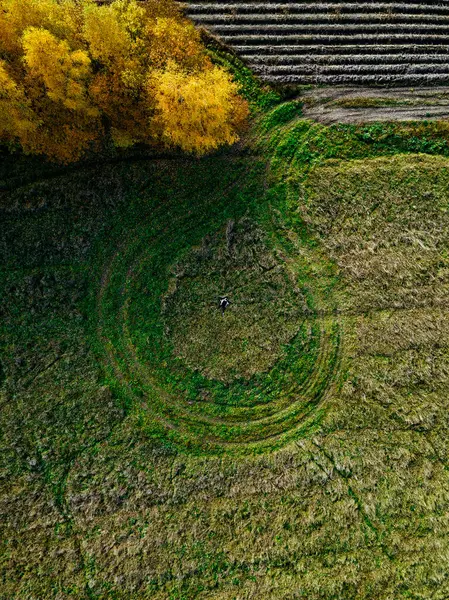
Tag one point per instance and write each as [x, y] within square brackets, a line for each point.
[361, 105]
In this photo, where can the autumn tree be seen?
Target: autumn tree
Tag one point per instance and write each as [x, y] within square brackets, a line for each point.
[74, 74]
[194, 110]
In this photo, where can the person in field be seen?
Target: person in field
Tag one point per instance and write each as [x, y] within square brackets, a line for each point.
[223, 305]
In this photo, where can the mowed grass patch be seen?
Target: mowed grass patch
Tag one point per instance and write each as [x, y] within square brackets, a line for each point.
[250, 380]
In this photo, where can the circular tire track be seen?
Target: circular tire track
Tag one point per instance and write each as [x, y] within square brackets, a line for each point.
[257, 426]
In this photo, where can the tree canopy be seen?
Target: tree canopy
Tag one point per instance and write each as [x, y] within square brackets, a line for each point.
[73, 73]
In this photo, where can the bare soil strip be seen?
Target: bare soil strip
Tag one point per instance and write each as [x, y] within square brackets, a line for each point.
[340, 104]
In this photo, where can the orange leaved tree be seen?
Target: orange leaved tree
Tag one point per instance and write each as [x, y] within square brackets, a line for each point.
[74, 73]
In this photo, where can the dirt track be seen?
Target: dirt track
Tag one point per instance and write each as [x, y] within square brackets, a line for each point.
[360, 105]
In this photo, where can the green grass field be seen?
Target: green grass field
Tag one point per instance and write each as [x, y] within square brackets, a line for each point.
[294, 448]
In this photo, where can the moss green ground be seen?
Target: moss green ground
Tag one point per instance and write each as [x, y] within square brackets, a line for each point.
[295, 448]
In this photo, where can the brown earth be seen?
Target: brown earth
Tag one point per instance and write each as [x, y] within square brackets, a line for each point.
[341, 104]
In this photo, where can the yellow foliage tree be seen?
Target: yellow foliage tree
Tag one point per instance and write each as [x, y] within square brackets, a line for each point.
[63, 19]
[194, 111]
[174, 41]
[75, 73]
[106, 35]
[65, 79]
[16, 116]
